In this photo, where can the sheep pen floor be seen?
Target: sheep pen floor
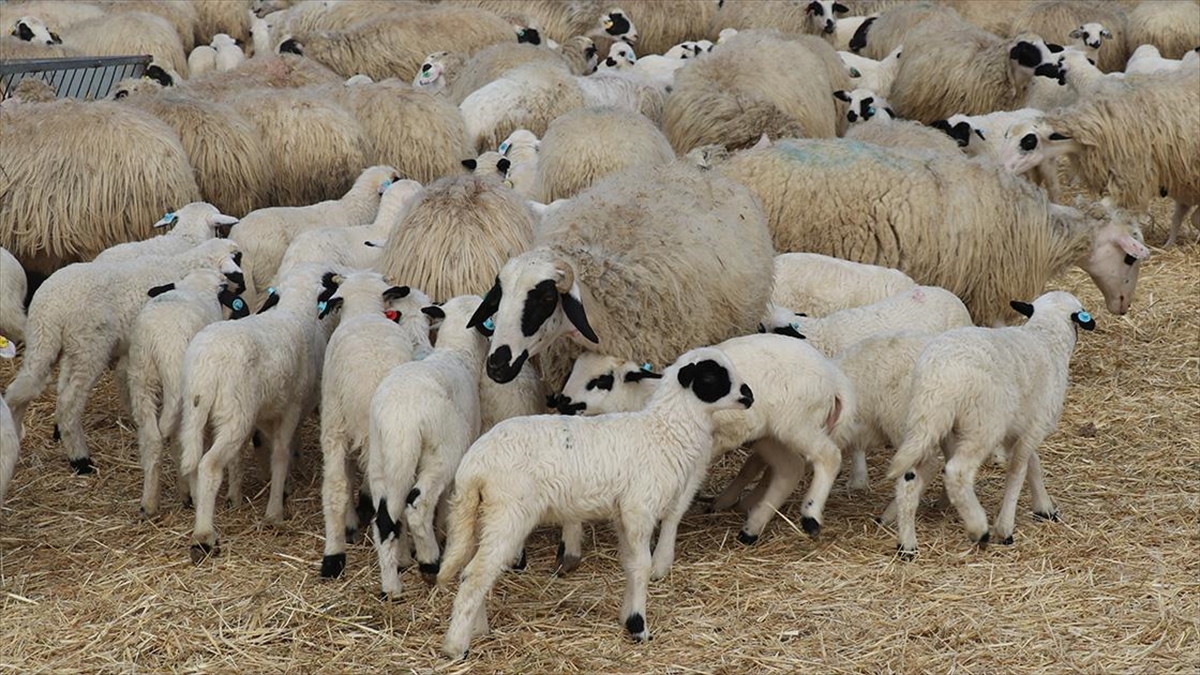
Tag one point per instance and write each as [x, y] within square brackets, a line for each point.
[85, 586]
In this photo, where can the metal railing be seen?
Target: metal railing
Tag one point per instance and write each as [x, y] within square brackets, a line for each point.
[89, 77]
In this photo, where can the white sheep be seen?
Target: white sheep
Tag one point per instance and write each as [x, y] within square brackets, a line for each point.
[12, 296]
[10, 441]
[32, 29]
[260, 36]
[160, 335]
[260, 372]
[990, 387]
[1146, 59]
[1089, 38]
[1082, 78]
[521, 149]
[229, 52]
[819, 284]
[380, 327]
[189, 226]
[424, 416]
[265, 234]
[80, 318]
[635, 469]
[202, 60]
[982, 136]
[871, 74]
[846, 28]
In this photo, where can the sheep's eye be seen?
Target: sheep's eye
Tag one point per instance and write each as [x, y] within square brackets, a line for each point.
[1029, 142]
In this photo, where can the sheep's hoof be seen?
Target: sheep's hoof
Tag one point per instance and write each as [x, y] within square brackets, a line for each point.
[982, 541]
[351, 535]
[521, 564]
[387, 597]
[188, 503]
[565, 563]
[811, 526]
[83, 466]
[1008, 541]
[1052, 516]
[332, 566]
[429, 571]
[148, 514]
[636, 625]
[201, 552]
[906, 554]
[747, 539]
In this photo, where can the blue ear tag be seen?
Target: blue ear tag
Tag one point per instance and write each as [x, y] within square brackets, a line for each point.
[270, 290]
[504, 148]
[170, 216]
[794, 326]
[321, 306]
[854, 72]
[386, 184]
[647, 367]
[1084, 317]
[489, 324]
[237, 304]
[871, 110]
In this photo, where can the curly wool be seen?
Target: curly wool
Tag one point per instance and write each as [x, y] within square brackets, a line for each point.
[1173, 27]
[583, 146]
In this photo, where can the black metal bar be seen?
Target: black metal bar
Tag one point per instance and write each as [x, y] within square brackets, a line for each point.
[23, 65]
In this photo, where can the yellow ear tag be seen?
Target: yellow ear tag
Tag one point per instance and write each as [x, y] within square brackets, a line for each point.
[608, 24]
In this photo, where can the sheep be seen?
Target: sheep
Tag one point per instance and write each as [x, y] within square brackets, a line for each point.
[877, 38]
[521, 149]
[229, 160]
[14, 48]
[1081, 75]
[491, 63]
[985, 135]
[10, 442]
[231, 17]
[1089, 38]
[229, 53]
[395, 46]
[949, 69]
[1056, 20]
[437, 73]
[191, 225]
[380, 327]
[891, 207]
[1172, 27]
[81, 316]
[202, 59]
[260, 34]
[284, 71]
[236, 377]
[882, 129]
[1146, 59]
[12, 296]
[863, 105]
[756, 83]
[57, 13]
[181, 16]
[129, 33]
[847, 28]
[62, 203]
[266, 233]
[992, 387]
[31, 29]
[583, 146]
[658, 259]
[160, 334]
[424, 416]
[353, 247]
[819, 285]
[871, 74]
[816, 17]
[634, 468]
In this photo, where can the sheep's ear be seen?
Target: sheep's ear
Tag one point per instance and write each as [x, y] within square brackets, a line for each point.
[1026, 54]
[159, 290]
[434, 312]
[503, 164]
[686, 375]
[762, 328]
[841, 95]
[1084, 320]
[237, 306]
[23, 32]
[395, 293]
[489, 306]
[290, 46]
[891, 113]
[642, 374]
[1054, 49]
[222, 219]
[790, 330]
[1022, 308]
[468, 164]
[944, 125]
[272, 300]
[327, 307]
[1075, 34]
[1133, 248]
[573, 308]
[1106, 33]
[839, 8]
[979, 133]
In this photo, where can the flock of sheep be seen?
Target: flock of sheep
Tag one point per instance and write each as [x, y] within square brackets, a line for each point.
[800, 227]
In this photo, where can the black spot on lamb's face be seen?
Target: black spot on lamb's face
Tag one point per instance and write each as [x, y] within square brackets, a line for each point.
[961, 132]
[529, 36]
[1054, 49]
[610, 62]
[501, 367]
[121, 94]
[23, 32]
[55, 39]
[604, 382]
[1026, 54]
[159, 75]
[707, 379]
[590, 52]
[238, 280]
[1051, 71]
[426, 67]
[159, 290]
[290, 46]
[540, 303]
[617, 24]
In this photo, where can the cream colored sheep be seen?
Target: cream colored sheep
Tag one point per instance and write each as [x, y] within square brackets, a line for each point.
[819, 285]
[12, 297]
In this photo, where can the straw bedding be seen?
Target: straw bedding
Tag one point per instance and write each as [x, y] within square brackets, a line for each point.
[86, 587]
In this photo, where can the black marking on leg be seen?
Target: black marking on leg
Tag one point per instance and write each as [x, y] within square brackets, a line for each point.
[811, 526]
[907, 555]
[1052, 516]
[383, 520]
[412, 496]
[200, 552]
[56, 436]
[83, 466]
[431, 568]
[983, 539]
[332, 566]
[746, 538]
[635, 624]
[1008, 541]
[562, 550]
[520, 566]
[365, 509]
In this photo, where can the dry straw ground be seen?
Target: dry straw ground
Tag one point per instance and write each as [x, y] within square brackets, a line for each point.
[87, 587]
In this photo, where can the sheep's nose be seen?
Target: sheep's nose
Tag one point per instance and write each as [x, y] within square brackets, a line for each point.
[499, 367]
[829, 27]
[747, 398]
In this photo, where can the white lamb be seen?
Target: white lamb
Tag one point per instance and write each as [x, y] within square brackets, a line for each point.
[265, 234]
[380, 327]
[229, 52]
[12, 296]
[982, 135]
[521, 149]
[871, 74]
[635, 469]
[424, 416]
[1082, 78]
[846, 28]
[160, 335]
[80, 319]
[189, 226]
[1089, 38]
[347, 247]
[1146, 59]
[202, 59]
[10, 441]
[819, 285]
[260, 36]
[260, 372]
[991, 387]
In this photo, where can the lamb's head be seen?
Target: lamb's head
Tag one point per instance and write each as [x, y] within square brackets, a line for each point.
[1091, 36]
[224, 41]
[8, 349]
[616, 24]
[453, 322]
[290, 45]
[224, 256]
[434, 71]
[864, 104]
[823, 15]
[211, 282]
[369, 292]
[708, 375]
[375, 180]
[200, 219]
[492, 165]
[581, 52]
[620, 57]
[1031, 56]
[601, 384]
[528, 33]
[396, 196]
[963, 132]
[135, 87]
[520, 143]
[161, 74]
[1027, 144]
[303, 287]
[31, 29]
[687, 50]
[1116, 253]
[1056, 306]
[781, 321]
[535, 300]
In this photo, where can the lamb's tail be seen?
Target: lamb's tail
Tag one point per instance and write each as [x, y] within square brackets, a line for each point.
[460, 537]
[927, 426]
[842, 418]
[197, 405]
[143, 396]
[393, 450]
[43, 344]
[171, 391]
[732, 119]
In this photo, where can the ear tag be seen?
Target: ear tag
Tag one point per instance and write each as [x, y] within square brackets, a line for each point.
[871, 110]
[647, 367]
[170, 216]
[321, 306]
[1084, 317]
[504, 148]
[508, 183]
[794, 326]
[384, 186]
[270, 290]
[854, 72]
[238, 304]
[608, 24]
[489, 324]
[392, 315]
[7, 348]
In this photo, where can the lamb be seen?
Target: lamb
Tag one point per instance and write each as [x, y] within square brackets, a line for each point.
[986, 136]
[489, 64]
[1146, 59]
[12, 296]
[193, 224]
[1172, 27]
[890, 207]
[81, 316]
[260, 34]
[434, 75]
[223, 16]
[1089, 38]
[521, 149]
[356, 247]
[380, 327]
[1082, 78]
[266, 233]
[202, 59]
[583, 146]
[236, 378]
[817, 17]
[31, 29]
[871, 74]
[634, 468]
[757, 83]
[1057, 19]
[124, 33]
[424, 416]
[670, 257]
[10, 442]
[991, 387]
[160, 334]
[847, 28]
[229, 53]
[819, 285]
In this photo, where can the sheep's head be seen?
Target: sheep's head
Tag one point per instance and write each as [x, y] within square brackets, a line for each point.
[159, 74]
[31, 29]
[687, 50]
[620, 55]
[489, 165]
[1117, 249]
[1030, 57]
[961, 131]
[519, 139]
[376, 179]
[781, 321]
[433, 71]
[198, 216]
[823, 15]
[709, 375]
[289, 45]
[863, 104]
[601, 384]
[1056, 305]
[1091, 35]
[616, 24]
[1027, 144]
[535, 300]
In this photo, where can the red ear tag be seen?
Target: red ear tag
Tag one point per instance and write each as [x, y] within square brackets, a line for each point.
[392, 314]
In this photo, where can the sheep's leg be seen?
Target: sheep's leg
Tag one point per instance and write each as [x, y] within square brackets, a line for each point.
[749, 501]
[786, 472]
[570, 548]
[150, 450]
[633, 532]
[1018, 465]
[1177, 217]
[281, 460]
[926, 469]
[502, 535]
[908, 494]
[858, 471]
[422, 505]
[234, 472]
[121, 380]
[960, 485]
[754, 466]
[335, 502]
[207, 483]
[826, 460]
[72, 399]
[390, 542]
[1043, 506]
[664, 548]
